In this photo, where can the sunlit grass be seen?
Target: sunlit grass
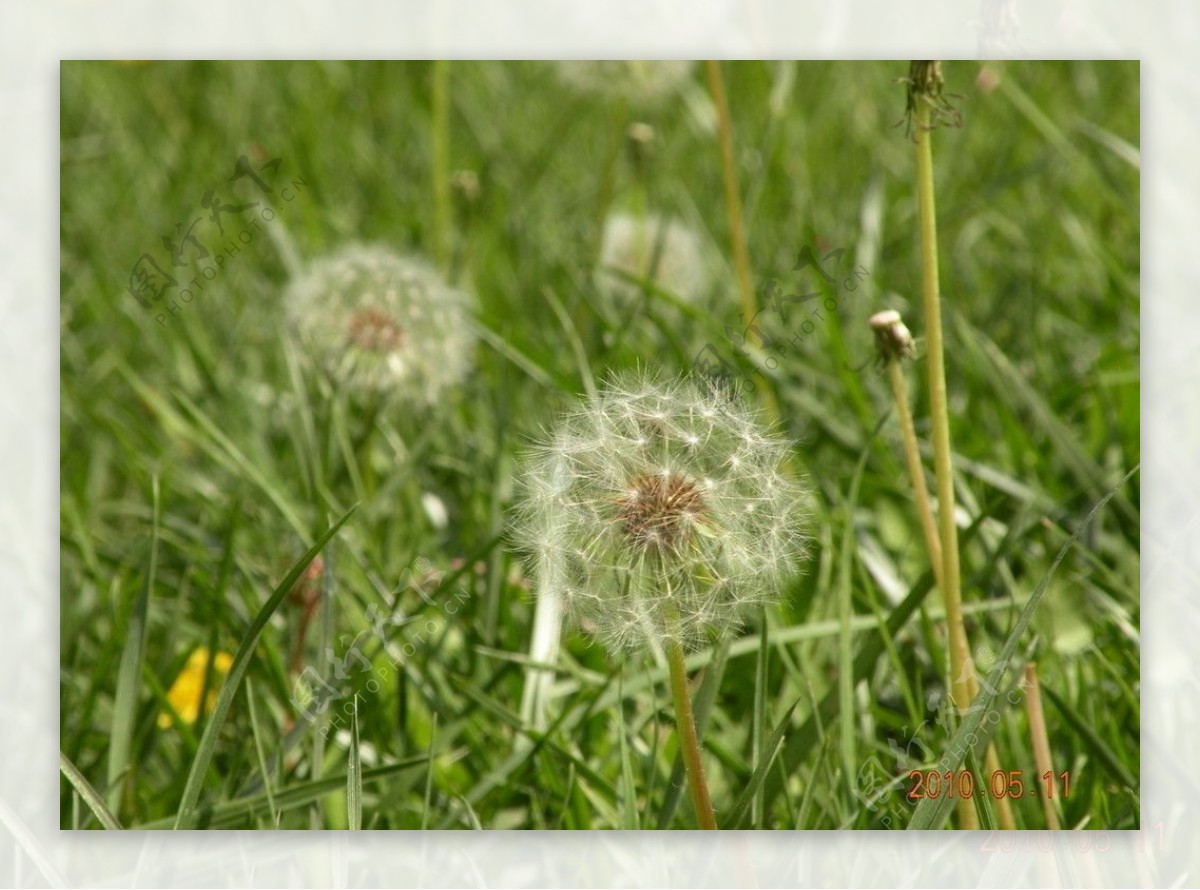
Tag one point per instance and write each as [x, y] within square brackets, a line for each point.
[203, 453]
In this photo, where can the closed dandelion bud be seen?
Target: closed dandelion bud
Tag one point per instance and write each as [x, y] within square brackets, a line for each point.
[893, 340]
[657, 511]
[384, 323]
[663, 251]
[640, 141]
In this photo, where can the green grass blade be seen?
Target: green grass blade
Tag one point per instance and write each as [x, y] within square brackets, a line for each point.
[1100, 749]
[742, 806]
[629, 813]
[260, 752]
[425, 811]
[1016, 390]
[586, 378]
[238, 812]
[354, 776]
[514, 355]
[89, 794]
[130, 671]
[931, 812]
[759, 714]
[241, 661]
[845, 614]
[220, 445]
[870, 649]
[202, 431]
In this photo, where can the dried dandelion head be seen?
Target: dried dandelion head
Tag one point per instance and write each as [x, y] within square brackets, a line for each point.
[382, 322]
[659, 511]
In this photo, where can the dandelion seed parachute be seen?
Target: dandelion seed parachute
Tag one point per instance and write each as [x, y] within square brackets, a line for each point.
[382, 322]
[659, 510]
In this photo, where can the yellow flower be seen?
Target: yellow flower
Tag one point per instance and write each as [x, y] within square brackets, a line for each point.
[185, 692]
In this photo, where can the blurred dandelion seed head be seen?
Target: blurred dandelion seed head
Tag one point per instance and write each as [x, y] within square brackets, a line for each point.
[378, 321]
[637, 80]
[664, 251]
[374, 331]
[655, 511]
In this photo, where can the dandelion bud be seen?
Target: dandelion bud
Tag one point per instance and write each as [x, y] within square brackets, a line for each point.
[640, 141]
[466, 184]
[382, 322]
[893, 340]
[657, 511]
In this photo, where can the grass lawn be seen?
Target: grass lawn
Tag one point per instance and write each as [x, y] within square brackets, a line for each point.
[206, 446]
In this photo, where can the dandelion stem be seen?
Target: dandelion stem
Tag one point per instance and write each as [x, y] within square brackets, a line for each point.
[689, 741]
[733, 201]
[960, 655]
[895, 342]
[441, 160]
[915, 471]
[733, 209]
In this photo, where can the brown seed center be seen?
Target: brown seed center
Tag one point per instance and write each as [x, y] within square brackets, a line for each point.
[659, 511]
[375, 331]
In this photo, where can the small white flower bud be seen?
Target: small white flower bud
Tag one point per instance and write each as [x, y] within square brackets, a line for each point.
[892, 337]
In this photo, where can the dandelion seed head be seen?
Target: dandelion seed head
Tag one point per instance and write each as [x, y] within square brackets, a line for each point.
[653, 518]
[381, 322]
